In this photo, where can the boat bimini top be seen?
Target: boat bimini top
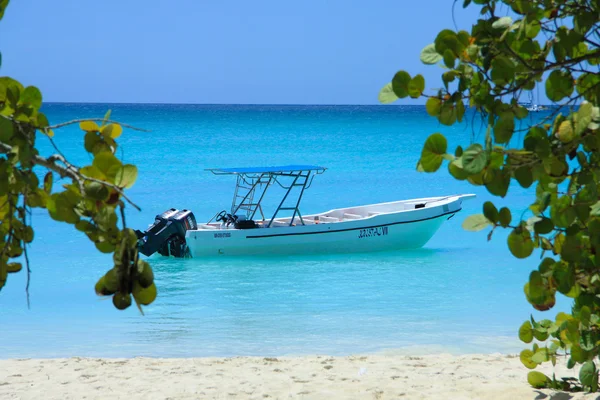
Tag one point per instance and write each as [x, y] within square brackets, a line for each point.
[252, 184]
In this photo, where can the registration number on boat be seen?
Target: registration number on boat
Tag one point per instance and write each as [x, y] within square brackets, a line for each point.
[379, 231]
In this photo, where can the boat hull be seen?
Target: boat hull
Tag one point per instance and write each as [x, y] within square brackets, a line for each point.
[403, 229]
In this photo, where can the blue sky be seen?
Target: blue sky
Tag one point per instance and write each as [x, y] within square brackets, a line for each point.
[251, 52]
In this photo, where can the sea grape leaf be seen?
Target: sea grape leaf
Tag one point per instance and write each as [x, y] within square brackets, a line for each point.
[387, 95]
[433, 151]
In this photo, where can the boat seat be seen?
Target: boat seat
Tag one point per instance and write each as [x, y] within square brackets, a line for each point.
[352, 216]
[328, 219]
[280, 223]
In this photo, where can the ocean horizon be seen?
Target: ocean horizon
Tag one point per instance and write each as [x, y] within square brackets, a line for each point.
[458, 294]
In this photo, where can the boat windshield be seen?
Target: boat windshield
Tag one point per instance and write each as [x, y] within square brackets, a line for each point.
[252, 184]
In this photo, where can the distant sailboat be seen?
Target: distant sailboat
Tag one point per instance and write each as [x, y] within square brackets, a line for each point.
[531, 106]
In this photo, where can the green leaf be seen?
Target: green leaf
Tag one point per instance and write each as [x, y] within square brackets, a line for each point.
[448, 40]
[456, 170]
[142, 295]
[490, 211]
[543, 226]
[107, 163]
[48, 181]
[449, 58]
[520, 243]
[429, 55]
[474, 159]
[433, 106]
[503, 70]
[538, 380]
[565, 132]
[42, 121]
[497, 182]
[578, 354]
[126, 176]
[447, 114]
[89, 126]
[475, 223]
[540, 356]
[387, 95]
[561, 212]
[503, 130]
[96, 191]
[525, 357]
[112, 131]
[559, 85]
[6, 130]
[416, 86]
[400, 84]
[460, 110]
[588, 373]
[433, 151]
[526, 333]
[524, 176]
[532, 29]
[584, 118]
[504, 217]
[12, 268]
[32, 97]
[502, 23]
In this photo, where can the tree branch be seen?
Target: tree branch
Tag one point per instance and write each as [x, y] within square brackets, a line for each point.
[69, 171]
[76, 121]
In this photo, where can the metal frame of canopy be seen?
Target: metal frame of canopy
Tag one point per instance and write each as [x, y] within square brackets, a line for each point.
[251, 181]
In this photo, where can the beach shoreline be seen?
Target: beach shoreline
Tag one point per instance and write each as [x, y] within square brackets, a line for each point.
[369, 376]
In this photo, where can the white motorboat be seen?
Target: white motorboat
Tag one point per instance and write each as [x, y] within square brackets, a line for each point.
[245, 230]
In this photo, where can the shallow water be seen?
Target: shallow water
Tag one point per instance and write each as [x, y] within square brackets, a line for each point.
[458, 294]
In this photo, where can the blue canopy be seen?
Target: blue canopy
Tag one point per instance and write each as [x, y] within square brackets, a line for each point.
[261, 170]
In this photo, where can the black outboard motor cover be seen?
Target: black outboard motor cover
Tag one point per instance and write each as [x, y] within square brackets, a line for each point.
[167, 234]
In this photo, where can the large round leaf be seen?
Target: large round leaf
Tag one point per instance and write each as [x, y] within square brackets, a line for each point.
[433, 151]
[89, 126]
[142, 295]
[387, 95]
[524, 176]
[433, 106]
[526, 332]
[561, 212]
[400, 84]
[538, 380]
[490, 211]
[429, 55]
[502, 23]
[474, 159]
[588, 374]
[520, 243]
[111, 131]
[448, 40]
[559, 85]
[32, 97]
[525, 357]
[126, 176]
[476, 223]
[416, 86]
[503, 130]
[107, 163]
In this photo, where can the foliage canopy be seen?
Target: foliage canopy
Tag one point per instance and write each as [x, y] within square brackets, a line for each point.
[513, 48]
[92, 199]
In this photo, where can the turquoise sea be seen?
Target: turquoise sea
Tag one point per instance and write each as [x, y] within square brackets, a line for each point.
[458, 294]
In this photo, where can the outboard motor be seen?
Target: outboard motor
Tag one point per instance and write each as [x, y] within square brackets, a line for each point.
[167, 234]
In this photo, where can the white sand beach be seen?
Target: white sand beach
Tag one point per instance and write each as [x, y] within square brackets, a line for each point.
[308, 377]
